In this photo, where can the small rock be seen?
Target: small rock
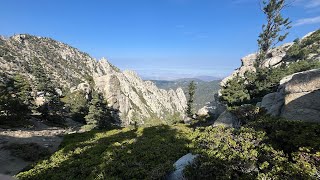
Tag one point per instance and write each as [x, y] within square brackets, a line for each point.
[227, 119]
[180, 165]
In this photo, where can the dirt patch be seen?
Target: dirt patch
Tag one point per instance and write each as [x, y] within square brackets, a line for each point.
[14, 143]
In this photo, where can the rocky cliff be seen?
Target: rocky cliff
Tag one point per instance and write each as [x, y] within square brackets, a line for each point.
[70, 70]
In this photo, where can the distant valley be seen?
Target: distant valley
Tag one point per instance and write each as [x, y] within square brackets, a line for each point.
[204, 93]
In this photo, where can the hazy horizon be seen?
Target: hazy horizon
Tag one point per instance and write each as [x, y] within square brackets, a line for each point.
[161, 39]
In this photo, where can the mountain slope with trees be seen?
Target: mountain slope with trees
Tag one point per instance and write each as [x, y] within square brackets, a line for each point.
[58, 73]
[204, 93]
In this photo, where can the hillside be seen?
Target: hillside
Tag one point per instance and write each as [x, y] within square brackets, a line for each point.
[72, 72]
[204, 93]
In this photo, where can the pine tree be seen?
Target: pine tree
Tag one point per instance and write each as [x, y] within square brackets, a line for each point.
[5, 96]
[98, 116]
[22, 91]
[78, 105]
[272, 31]
[43, 82]
[15, 97]
[52, 105]
[235, 92]
[191, 92]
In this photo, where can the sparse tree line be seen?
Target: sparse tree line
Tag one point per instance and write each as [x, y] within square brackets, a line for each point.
[18, 96]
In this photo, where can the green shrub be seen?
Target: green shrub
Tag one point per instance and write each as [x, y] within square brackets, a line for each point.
[235, 92]
[143, 153]
[301, 49]
[266, 148]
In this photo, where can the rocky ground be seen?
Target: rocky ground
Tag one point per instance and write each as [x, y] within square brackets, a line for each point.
[41, 134]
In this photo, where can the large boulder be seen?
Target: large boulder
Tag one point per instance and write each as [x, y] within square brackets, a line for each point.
[273, 103]
[301, 96]
[227, 119]
[297, 98]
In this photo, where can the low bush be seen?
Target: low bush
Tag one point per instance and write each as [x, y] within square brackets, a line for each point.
[267, 148]
[143, 153]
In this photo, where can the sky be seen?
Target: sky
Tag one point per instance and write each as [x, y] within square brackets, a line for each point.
[160, 39]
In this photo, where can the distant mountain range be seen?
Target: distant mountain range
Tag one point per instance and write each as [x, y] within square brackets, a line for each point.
[170, 78]
[204, 93]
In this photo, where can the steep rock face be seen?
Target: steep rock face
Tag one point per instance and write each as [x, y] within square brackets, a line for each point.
[72, 70]
[134, 97]
[297, 97]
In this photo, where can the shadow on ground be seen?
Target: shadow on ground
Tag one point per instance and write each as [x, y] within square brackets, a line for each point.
[144, 153]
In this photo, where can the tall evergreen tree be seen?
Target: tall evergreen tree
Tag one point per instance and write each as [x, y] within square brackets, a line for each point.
[78, 105]
[22, 90]
[52, 105]
[15, 97]
[275, 30]
[191, 92]
[5, 96]
[98, 116]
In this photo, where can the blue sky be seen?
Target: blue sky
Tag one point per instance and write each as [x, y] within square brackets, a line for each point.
[161, 39]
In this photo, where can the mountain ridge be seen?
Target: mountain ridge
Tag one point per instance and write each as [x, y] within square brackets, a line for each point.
[69, 67]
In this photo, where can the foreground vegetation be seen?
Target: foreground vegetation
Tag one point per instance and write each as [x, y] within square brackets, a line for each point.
[267, 148]
[143, 153]
[264, 148]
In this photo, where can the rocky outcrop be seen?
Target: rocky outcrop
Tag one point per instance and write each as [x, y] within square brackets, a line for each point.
[213, 109]
[301, 96]
[297, 97]
[275, 58]
[133, 97]
[227, 119]
[73, 70]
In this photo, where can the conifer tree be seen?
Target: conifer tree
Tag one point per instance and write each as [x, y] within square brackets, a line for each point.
[98, 116]
[78, 105]
[53, 105]
[275, 30]
[5, 96]
[191, 92]
[15, 97]
[22, 90]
